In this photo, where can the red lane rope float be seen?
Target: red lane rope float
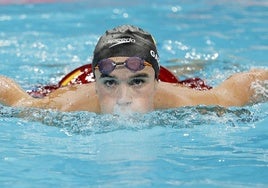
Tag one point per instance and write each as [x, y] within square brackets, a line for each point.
[84, 75]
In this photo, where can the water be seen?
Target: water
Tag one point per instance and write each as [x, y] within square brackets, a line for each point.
[187, 147]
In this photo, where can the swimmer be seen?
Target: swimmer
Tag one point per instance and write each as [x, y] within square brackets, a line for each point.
[126, 70]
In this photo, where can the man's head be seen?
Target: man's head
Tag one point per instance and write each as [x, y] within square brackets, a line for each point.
[126, 69]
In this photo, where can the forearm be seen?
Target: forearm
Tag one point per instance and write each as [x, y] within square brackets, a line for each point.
[10, 93]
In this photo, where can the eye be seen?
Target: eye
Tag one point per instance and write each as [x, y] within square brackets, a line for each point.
[137, 82]
[110, 83]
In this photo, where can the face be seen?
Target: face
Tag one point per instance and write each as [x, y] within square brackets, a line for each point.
[124, 91]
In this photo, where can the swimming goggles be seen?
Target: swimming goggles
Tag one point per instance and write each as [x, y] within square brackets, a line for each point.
[134, 64]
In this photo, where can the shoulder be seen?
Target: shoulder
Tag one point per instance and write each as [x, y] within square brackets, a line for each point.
[75, 98]
[174, 95]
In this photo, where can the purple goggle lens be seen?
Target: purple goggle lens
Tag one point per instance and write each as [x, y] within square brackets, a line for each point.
[106, 66]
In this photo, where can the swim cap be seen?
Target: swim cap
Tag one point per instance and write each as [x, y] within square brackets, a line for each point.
[127, 41]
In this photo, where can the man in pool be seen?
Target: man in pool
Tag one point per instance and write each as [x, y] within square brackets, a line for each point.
[126, 69]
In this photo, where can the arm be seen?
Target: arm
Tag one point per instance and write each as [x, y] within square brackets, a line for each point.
[69, 98]
[238, 90]
[235, 91]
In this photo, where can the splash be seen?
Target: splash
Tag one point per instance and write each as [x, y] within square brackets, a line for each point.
[260, 91]
[86, 123]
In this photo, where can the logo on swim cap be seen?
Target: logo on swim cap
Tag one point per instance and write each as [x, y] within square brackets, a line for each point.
[154, 55]
[121, 41]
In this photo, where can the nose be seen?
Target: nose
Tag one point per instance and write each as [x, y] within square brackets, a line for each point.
[124, 95]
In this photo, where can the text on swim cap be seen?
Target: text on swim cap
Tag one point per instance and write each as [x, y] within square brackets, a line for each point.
[121, 41]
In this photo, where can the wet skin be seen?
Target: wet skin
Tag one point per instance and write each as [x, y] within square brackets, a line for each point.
[124, 91]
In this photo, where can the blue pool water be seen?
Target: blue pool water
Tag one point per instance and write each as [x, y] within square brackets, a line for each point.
[186, 147]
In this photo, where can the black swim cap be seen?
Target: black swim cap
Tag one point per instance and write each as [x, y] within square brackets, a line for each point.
[127, 41]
